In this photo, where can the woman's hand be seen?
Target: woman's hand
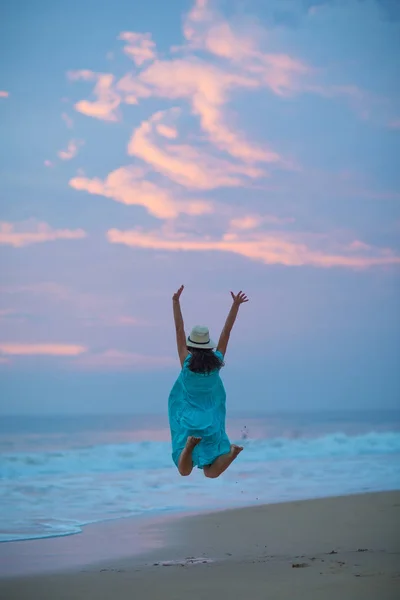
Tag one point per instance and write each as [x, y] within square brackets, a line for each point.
[239, 298]
[177, 295]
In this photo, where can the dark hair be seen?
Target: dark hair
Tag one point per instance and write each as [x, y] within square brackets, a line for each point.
[204, 360]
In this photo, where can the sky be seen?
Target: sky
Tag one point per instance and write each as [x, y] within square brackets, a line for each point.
[242, 145]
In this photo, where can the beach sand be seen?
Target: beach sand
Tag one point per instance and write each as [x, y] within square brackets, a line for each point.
[343, 548]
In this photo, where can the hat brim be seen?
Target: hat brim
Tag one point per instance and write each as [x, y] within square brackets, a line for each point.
[210, 346]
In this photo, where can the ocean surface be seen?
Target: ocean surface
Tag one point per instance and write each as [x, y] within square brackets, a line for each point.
[60, 473]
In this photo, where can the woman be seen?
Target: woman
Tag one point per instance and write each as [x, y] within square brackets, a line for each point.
[196, 403]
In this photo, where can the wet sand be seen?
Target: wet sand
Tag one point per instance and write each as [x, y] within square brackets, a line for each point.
[345, 547]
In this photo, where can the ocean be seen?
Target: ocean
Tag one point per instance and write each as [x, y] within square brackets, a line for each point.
[61, 473]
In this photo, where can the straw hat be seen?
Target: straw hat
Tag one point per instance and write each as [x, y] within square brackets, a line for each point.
[200, 338]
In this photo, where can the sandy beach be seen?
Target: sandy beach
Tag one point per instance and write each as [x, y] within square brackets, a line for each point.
[335, 548]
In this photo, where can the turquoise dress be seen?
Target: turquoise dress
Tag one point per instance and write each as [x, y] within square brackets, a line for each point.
[197, 406]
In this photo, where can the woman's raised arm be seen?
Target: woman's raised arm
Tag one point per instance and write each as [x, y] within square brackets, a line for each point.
[238, 299]
[179, 326]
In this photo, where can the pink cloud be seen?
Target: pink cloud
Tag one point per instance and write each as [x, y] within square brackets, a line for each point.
[184, 164]
[132, 89]
[48, 163]
[32, 232]
[105, 107]
[206, 87]
[283, 74]
[205, 28]
[4, 94]
[71, 151]
[241, 44]
[277, 248]
[139, 47]
[167, 131]
[395, 124]
[246, 222]
[82, 75]
[254, 221]
[128, 186]
[120, 360]
[67, 120]
[29, 349]
[357, 245]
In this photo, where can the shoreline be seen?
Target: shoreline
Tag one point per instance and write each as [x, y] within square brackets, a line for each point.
[345, 547]
[169, 515]
[139, 543]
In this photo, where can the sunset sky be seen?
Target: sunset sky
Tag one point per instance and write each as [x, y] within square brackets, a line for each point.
[245, 145]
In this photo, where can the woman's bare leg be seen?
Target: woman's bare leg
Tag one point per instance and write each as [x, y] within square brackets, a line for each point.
[185, 463]
[221, 463]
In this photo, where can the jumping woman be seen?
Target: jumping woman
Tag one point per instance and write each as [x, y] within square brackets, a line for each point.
[196, 404]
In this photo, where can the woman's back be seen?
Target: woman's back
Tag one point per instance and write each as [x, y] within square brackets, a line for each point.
[202, 385]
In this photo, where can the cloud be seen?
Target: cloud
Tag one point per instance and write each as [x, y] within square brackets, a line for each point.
[243, 63]
[359, 100]
[120, 360]
[139, 47]
[126, 320]
[132, 89]
[48, 163]
[32, 232]
[71, 150]
[283, 74]
[206, 29]
[31, 349]
[186, 165]
[67, 120]
[4, 94]
[206, 87]
[394, 124]
[289, 249]
[167, 131]
[105, 107]
[129, 186]
[247, 222]
[82, 74]
[255, 221]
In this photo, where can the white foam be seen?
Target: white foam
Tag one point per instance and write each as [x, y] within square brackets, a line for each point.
[55, 493]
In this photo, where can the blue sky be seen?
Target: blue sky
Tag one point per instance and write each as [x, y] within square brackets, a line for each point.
[223, 145]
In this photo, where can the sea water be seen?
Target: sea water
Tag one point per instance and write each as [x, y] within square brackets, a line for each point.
[60, 473]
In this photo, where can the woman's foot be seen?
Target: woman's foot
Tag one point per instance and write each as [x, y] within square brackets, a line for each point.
[223, 461]
[235, 450]
[192, 442]
[185, 463]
